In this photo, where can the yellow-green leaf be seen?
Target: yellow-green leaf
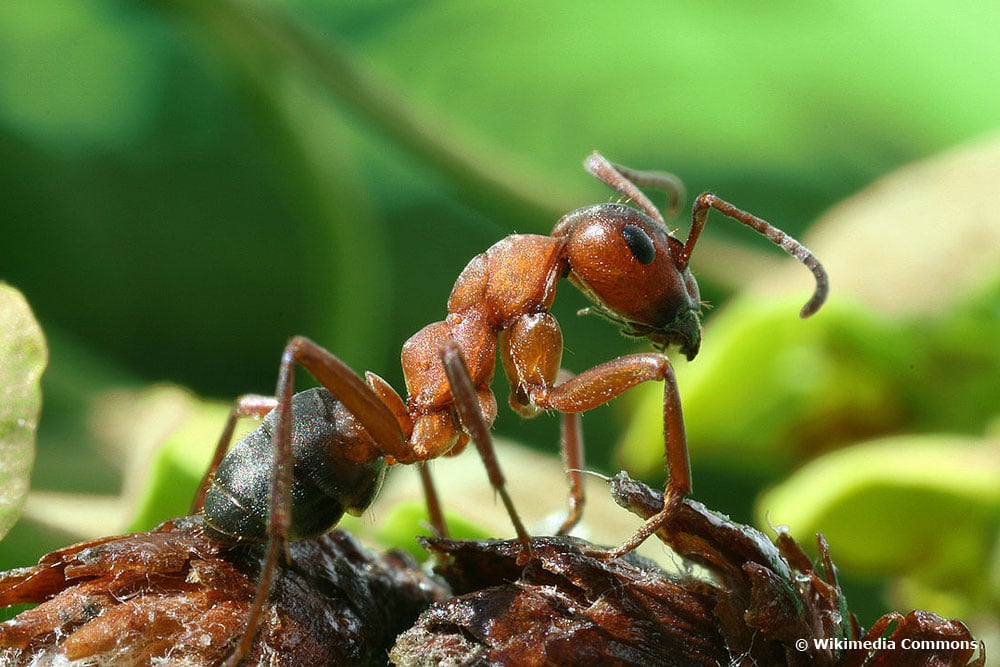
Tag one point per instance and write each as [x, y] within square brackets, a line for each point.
[23, 356]
[920, 505]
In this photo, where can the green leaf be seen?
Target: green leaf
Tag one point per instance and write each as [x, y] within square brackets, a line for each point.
[769, 388]
[407, 519]
[924, 506]
[192, 427]
[23, 356]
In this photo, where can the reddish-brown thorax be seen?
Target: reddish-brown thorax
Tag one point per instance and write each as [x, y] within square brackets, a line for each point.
[513, 279]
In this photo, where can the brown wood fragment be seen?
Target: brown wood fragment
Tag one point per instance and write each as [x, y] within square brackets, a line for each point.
[172, 594]
[764, 604]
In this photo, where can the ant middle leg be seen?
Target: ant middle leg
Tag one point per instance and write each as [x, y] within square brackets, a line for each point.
[471, 416]
[434, 512]
[571, 450]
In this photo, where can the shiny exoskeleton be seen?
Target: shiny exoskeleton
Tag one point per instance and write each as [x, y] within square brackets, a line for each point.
[330, 444]
[326, 483]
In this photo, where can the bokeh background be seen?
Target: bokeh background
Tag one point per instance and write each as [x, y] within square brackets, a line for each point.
[186, 184]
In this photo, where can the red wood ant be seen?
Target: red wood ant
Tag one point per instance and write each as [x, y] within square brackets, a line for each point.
[331, 444]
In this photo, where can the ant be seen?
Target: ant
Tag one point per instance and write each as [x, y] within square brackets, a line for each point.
[323, 452]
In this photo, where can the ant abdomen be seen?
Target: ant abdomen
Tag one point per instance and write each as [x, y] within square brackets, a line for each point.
[326, 480]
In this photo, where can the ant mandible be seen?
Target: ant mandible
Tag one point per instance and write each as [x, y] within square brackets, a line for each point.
[331, 444]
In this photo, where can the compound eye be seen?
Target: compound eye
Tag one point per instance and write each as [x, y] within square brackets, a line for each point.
[639, 243]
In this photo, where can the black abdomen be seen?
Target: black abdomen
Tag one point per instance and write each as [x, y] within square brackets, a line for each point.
[325, 481]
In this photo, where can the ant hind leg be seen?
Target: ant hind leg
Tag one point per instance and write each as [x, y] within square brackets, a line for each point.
[366, 407]
[280, 508]
[248, 405]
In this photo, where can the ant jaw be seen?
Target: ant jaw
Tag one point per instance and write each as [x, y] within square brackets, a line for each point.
[684, 332]
[688, 348]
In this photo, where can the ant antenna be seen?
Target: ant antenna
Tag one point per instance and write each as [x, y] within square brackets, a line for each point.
[661, 180]
[699, 215]
[626, 182]
[598, 475]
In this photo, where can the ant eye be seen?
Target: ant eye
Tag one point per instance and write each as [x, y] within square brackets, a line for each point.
[639, 243]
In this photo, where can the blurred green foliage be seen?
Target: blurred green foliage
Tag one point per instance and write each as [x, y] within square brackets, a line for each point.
[187, 184]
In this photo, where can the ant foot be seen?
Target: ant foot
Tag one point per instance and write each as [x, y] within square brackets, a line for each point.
[526, 555]
[652, 525]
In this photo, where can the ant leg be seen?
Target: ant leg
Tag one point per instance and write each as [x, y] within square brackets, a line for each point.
[469, 413]
[366, 407]
[280, 507]
[599, 385]
[248, 405]
[571, 448]
[679, 476]
[699, 214]
[531, 351]
[433, 504]
[571, 451]
[627, 181]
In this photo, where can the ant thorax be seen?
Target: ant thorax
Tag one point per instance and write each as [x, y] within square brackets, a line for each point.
[513, 278]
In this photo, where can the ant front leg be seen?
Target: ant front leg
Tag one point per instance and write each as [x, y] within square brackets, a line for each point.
[602, 383]
[248, 405]
[531, 351]
[471, 416]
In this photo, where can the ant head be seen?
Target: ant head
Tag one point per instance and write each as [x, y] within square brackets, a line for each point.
[635, 272]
